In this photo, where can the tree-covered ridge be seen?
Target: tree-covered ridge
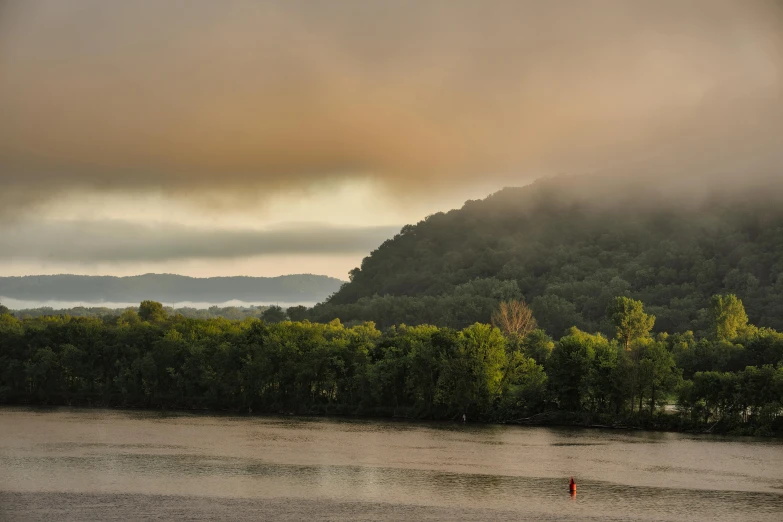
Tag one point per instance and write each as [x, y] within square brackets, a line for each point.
[299, 288]
[568, 247]
[731, 379]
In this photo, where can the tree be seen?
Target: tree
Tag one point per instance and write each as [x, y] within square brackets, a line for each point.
[424, 364]
[297, 313]
[274, 314]
[569, 367]
[727, 317]
[4, 310]
[43, 371]
[557, 313]
[603, 385]
[514, 317]
[657, 373]
[630, 321]
[538, 345]
[524, 387]
[473, 372]
[152, 311]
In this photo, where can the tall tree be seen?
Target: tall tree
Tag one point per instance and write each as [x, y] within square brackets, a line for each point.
[657, 373]
[274, 314]
[514, 317]
[727, 317]
[151, 311]
[630, 321]
[538, 345]
[297, 313]
[473, 374]
[569, 367]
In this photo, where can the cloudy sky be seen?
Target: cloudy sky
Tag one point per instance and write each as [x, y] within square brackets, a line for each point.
[264, 138]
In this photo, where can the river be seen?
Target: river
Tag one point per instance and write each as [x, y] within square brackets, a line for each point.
[81, 464]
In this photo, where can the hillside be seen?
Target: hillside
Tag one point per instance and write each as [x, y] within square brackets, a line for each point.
[167, 288]
[568, 245]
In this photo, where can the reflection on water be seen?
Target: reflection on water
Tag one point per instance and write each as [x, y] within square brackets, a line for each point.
[303, 467]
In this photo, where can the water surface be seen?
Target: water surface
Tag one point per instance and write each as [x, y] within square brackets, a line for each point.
[71, 464]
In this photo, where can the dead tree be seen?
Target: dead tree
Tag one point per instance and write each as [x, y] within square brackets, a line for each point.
[514, 317]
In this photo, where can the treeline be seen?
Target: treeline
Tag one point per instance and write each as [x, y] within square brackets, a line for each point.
[226, 312]
[730, 380]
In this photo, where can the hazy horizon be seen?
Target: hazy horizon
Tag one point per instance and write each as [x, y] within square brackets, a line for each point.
[24, 304]
[171, 274]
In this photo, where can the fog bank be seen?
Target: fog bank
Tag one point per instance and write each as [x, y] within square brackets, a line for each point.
[241, 99]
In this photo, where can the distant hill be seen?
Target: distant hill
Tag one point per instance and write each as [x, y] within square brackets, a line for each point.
[168, 288]
[568, 245]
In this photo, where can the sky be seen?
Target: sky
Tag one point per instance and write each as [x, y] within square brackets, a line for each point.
[272, 137]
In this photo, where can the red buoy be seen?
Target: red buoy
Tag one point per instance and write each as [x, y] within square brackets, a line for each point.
[572, 486]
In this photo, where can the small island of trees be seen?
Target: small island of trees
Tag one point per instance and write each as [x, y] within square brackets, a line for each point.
[730, 379]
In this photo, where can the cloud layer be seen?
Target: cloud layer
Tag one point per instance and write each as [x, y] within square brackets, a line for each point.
[119, 241]
[198, 97]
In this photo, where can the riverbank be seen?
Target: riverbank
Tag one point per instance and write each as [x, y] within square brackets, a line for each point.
[659, 422]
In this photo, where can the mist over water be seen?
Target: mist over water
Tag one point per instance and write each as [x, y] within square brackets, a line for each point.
[20, 304]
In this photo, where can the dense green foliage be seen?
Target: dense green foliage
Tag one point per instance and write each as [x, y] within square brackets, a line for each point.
[568, 246]
[153, 359]
[169, 288]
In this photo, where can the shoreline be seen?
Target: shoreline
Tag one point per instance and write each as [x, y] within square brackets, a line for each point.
[559, 423]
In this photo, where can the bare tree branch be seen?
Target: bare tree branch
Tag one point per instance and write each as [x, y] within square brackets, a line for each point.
[514, 317]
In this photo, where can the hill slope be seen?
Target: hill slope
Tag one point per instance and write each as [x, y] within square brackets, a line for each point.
[567, 246]
[169, 288]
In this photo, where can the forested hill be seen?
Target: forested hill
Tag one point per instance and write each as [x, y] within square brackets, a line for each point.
[568, 246]
[304, 288]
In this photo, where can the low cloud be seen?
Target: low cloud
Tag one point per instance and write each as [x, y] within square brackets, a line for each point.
[196, 98]
[121, 241]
